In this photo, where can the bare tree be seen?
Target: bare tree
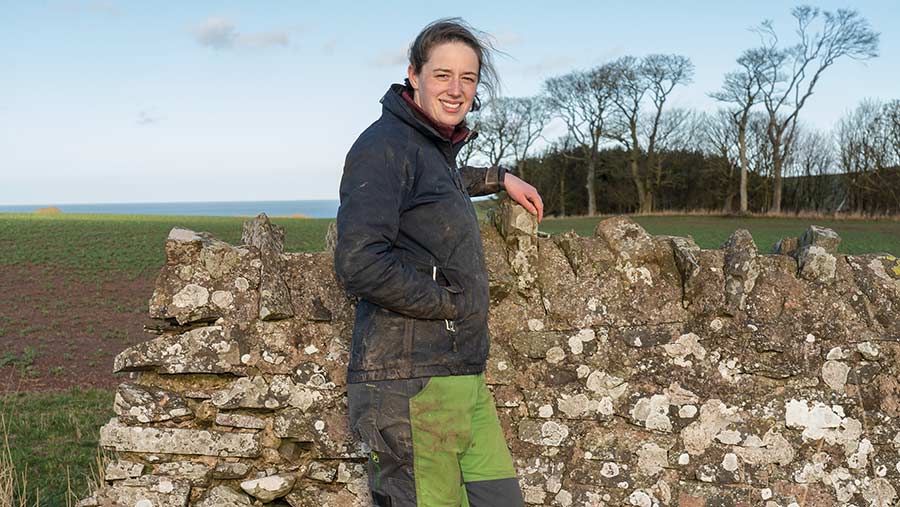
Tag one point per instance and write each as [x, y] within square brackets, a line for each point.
[497, 129]
[473, 147]
[869, 157]
[742, 88]
[531, 115]
[582, 99]
[790, 75]
[810, 163]
[719, 138]
[638, 83]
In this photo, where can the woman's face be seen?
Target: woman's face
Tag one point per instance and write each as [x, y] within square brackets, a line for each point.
[446, 85]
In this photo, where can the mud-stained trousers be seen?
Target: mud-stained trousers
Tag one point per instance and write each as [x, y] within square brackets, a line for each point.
[436, 442]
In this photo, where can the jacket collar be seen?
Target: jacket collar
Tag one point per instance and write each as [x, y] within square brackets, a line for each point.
[409, 112]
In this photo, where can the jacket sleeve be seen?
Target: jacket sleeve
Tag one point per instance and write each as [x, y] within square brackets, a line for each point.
[482, 180]
[368, 220]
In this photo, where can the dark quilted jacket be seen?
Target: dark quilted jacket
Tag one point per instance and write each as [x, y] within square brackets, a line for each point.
[409, 247]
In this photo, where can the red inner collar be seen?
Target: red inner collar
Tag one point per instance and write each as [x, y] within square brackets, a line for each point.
[454, 133]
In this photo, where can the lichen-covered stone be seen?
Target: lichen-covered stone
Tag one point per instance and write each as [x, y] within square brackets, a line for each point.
[135, 403]
[201, 350]
[140, 439]
[270, 487]
[268, 239]
[786, 246]
[519, 230]
[146, 491]
[240, 421]
[122, 469]
[197, 473]
[821, 237]
[740, 269]
[627, 239]
[816, 264]
[256, 392]
[230, 470]
[223, 496]
[204, 279]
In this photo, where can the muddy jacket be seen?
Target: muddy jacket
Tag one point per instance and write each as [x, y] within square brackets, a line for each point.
[409, 247]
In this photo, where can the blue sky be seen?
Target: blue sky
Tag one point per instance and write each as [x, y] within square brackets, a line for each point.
[133, 101]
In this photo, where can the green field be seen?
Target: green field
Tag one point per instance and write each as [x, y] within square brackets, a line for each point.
[91, 246]
[52, 439]
[50, 432]
[104, 246]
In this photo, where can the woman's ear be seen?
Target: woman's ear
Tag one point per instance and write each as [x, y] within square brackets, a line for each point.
[413, 79]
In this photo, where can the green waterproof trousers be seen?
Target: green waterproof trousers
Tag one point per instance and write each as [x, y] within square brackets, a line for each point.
[435, 442]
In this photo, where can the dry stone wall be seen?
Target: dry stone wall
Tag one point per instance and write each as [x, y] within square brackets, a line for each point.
[628, 369]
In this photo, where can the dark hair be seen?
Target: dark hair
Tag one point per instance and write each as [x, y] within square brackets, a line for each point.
[457, 30]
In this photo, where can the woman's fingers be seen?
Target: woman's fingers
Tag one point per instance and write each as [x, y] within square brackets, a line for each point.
[526, 195]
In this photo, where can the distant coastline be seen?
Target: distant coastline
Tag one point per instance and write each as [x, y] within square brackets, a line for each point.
[326, 208]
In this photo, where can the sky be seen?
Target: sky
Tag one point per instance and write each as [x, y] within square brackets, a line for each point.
[135, 101]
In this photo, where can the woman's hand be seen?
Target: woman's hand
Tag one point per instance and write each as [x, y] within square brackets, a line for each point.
[524, 194]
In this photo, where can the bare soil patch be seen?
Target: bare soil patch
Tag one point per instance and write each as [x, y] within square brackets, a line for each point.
[58, 332]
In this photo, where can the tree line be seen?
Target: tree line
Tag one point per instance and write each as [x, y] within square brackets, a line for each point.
[626, 150]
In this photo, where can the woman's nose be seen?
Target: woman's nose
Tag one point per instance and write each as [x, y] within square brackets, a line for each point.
[455, 87]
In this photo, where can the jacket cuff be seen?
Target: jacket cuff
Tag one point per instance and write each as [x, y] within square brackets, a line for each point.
[494, 179]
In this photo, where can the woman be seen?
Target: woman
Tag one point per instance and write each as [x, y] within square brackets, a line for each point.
[409, 247]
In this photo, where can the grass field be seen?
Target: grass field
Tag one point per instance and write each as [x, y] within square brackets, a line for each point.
[95, 247]
[53, 441]
[51, 431]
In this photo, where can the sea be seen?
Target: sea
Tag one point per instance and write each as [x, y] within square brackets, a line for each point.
[310, 208]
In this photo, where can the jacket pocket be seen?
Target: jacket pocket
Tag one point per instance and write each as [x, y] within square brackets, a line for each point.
[387, 340]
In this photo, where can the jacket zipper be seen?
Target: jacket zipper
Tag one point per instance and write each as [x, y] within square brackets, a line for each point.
[449, 324]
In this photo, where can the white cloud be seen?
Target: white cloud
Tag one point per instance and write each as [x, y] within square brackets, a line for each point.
[222, 33]
[145, 118]
[217, 33]
[329, 46]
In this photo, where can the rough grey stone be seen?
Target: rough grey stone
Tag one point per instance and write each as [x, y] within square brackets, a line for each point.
[331, 237]
[146, 491]
[786, 246]
[741, 269]
[627, 239]
[121, 469]
[135, 403]
[223, 496]
[227, 470]
[268, 238]
[816, 264]
[178, 441]
[197, 473]
[687, 258]
[201, 350]
[240, 421]
[822, 237]
[256, 392]
[270, 487]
